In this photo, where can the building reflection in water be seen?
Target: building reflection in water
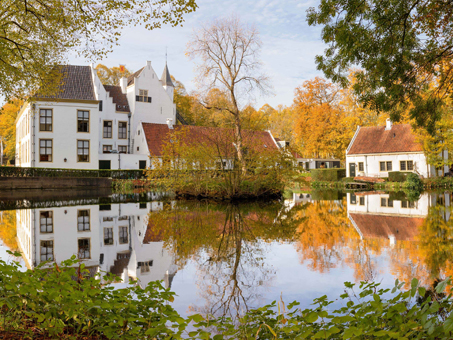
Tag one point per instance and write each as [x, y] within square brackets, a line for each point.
[107, 238]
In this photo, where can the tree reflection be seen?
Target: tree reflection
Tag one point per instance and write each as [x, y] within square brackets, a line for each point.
[327, 239]
[8, 231]
[228, 243]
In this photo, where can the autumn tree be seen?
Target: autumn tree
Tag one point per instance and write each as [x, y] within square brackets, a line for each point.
[35, 35]
[8, 230]
[8, 114]
[318, 129]
[112, 75]
[401, 46]
[229, 52]
[281, 121]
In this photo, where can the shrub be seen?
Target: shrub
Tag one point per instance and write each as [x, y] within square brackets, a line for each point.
[413, 181]
[66, 303]
[398, 176]
[8, 171]
[329, 175]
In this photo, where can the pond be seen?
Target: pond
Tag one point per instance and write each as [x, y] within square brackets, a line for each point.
[225, 258]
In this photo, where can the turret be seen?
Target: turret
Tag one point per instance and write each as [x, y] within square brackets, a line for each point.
[167, 83]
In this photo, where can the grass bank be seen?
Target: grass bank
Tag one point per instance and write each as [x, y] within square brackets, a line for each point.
[66, 302]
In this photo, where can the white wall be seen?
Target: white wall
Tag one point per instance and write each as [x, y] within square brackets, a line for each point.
[372, 168]
[124, 161]
[161, 107]
[372, 205]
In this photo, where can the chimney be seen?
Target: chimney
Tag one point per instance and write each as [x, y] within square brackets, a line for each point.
[388, 124]
[170, 123]
[123, 84]
[148, 63]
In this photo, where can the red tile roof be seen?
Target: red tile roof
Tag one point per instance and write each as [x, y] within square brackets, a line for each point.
[157, 134]
[375, 139]
[382, 226]
[119, 98]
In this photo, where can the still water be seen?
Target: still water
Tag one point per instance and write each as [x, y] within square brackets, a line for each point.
[223, 258]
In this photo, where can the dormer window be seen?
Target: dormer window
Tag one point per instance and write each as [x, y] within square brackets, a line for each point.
[143, 96]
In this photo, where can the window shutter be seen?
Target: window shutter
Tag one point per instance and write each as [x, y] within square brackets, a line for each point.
[149, 99]
[137, 98]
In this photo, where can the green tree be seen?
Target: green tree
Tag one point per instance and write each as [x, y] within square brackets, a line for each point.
[112, 75]
[35, 35]
[402, 46]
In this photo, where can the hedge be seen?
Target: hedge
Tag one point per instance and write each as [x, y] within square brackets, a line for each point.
[398, 176]
[324, 175]
[10, 171]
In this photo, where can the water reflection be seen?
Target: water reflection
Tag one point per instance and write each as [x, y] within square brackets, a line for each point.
[223, 259]
[109, 238]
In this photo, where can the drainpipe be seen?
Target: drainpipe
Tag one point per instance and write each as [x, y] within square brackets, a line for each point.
[129, 133]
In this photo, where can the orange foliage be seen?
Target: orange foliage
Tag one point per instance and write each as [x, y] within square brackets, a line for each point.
[8, 229]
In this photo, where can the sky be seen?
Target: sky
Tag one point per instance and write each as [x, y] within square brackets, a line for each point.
[288, 51]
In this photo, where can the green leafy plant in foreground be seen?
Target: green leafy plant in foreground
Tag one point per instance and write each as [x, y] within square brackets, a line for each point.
[65, 302]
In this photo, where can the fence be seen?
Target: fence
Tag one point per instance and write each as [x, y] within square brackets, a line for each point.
[16, 172]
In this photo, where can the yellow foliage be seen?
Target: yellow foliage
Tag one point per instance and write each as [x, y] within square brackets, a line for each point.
[8, 230]
[8, 115]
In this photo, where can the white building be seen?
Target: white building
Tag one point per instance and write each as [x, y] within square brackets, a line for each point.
[377, 150]
[108, 238]
[88, 125]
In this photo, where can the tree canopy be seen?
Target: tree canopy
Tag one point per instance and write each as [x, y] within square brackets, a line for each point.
[112, 75]
[35, 35]
[403, 47]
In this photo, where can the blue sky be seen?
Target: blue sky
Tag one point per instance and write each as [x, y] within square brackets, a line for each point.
[288, 53]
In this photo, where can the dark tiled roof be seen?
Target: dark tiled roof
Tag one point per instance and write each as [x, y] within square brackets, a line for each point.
[157, 134]
[166, 78]
[375, 139]
[382, 226]
[131, 78]
[119, 98]
[76, 83]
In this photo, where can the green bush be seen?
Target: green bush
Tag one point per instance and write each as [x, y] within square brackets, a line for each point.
[10, 171]
[64, 302]
[327, 175]
[398, 176]
[413, 181]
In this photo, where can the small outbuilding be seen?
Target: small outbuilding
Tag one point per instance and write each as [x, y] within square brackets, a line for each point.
[377, 150]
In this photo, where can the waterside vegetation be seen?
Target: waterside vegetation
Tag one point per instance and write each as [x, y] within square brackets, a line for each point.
[52, 310]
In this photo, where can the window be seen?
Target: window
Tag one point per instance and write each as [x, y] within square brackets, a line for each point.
[385, 202]
[385, 166]
[107, 219]
[142, 96]
[83, 220]
[122, 130]
[106, 148]
[108, 236]
[45, 150]
[144, 266]
[105, 207]
[83, 121]
[138, 148]
[46, 222]
[353, 199]
[83, 150]
[123, 218]
[45, 120]
[84, 248]
[361, 166]
[122, 149]
[362, 200]
[142, 206]
[123, 237]
[107, 129]
[46, 251]
[407, 204]
[406, 165]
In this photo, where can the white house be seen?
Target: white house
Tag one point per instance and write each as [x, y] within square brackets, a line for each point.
[377, 150]
[308, 163]
[87, 125]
